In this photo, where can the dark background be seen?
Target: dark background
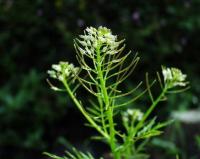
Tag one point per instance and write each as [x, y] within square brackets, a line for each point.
[35, 34]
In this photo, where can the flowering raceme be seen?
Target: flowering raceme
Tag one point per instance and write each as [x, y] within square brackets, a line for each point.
[93, 38]
[62, 71]
[174, 77]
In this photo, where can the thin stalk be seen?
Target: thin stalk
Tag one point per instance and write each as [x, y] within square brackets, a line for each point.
[154, 104]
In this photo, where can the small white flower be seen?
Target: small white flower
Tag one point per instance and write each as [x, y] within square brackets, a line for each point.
[102, 39]
[88, 51]
[95, 44]
[91, 30]
[130, 112]
[52, 73]
[82, 51]
[89, 43]
[83, 43]
[67, 72]
[56, 67]
[125, 118]
[167, 74]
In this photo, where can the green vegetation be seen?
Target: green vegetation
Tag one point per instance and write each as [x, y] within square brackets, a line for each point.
[35, 34]
[103, 64]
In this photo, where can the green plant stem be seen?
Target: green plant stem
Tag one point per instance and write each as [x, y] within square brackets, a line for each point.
[107, 104]
[79, 106]
[130, 142]
[141, 123]
[149, 111]
[102, 110]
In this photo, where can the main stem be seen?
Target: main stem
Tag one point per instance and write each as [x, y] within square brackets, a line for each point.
[109, 108]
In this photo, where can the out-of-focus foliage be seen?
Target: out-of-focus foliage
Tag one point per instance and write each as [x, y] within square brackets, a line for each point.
[35, 34]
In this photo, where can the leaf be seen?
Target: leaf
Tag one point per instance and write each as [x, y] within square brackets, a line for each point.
[163, 124]
[75, 154]
[53, 156]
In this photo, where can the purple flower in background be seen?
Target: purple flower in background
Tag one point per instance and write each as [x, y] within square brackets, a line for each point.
[80, 22]
[163, 22]
[183, 40]
[9, 4]
[39, 12]
[136, 16]
[187, 4]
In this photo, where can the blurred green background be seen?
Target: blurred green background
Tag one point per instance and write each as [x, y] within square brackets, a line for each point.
[35, 34]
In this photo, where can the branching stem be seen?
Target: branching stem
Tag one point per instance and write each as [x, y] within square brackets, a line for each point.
[82, 110]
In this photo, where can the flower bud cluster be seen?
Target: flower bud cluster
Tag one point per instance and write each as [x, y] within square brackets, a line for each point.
[132, 114]
[101, 37]
[174, 77]
[63, 70]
